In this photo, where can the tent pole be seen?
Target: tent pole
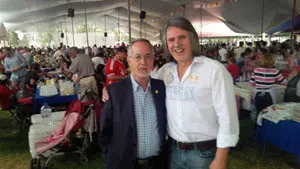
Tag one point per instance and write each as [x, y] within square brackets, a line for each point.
[105, 29]
[73, 31]
[95, 31]
[61, 30]
[118, 25]
[145, 28]
[293, 21]
[141, 4]
[129, 22]
[201, 18]
[86, 26]
[183, 6]
[95, 35]
[66, 30]
[262, 18]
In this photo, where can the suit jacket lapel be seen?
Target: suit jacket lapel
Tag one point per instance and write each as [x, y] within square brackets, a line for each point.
[155, 94]
[130, 106]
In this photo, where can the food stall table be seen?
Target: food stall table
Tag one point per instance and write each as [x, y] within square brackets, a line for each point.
[39, 100]
[245, 91]
[284, 135]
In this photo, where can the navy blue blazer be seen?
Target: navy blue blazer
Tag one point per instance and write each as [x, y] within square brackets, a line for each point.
[118, 134]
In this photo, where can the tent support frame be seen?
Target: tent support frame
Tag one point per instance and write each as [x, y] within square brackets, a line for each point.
[293, 21]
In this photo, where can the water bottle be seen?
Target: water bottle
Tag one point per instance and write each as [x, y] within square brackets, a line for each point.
[46, 114]
[77, 88]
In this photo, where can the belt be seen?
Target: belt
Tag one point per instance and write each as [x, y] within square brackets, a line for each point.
[263, 89]
[146, 161]
[203, 145]
[86, 76]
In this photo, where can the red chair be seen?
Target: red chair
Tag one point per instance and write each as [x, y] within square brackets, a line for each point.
[7, 102]
[19, 109]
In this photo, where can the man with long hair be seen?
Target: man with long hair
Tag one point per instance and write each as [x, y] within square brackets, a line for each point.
[201, 110]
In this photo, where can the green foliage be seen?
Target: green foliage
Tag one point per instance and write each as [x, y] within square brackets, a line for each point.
[46, 38]
[24, 41]
[82, 28]
[121, 36]
[13, 38]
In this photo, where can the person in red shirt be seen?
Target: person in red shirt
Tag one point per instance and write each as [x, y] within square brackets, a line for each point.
[5, 93]
[233, 69]
[115, 68]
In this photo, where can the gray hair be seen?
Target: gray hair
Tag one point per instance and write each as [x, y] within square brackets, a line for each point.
[129, 49]
[184, 24]
[73, 49]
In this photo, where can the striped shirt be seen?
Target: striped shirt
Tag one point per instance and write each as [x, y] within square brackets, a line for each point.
[265, 78]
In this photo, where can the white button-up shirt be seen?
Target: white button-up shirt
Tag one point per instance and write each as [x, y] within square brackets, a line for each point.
[202, 105]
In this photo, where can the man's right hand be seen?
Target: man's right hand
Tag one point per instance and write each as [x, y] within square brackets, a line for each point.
[105, 96]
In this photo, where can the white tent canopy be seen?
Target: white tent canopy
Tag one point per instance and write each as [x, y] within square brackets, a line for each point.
[241, 16]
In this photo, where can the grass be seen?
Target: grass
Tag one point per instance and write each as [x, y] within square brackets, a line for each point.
[14, 151]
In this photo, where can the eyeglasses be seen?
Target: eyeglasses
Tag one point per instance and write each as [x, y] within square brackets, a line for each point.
[139, 57]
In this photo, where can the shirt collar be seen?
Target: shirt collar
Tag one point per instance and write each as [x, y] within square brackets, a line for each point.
[135, 85]
[196, 59]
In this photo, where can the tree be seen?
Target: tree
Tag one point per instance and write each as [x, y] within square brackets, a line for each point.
[24, 41]
[46, 38]
[13, 38]
[121, 36]
[81, 29]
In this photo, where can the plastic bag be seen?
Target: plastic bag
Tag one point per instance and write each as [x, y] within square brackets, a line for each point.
[48, 90]
[66, 88]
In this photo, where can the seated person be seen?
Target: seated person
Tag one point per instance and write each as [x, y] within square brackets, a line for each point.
[1, 68]
[5, 93]
[62, 64]
[65, 64]
[100, 78]
[38, 58]
[32, 78]
[292, 92]
[233, 69]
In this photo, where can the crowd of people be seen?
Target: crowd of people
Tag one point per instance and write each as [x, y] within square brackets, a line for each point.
[179, 89]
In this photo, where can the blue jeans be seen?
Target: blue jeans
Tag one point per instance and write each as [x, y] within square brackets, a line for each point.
[190, 159]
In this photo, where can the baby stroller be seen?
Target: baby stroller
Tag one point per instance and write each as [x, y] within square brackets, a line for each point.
[69, 138]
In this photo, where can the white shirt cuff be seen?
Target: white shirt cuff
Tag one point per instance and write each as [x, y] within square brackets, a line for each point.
[224, 141]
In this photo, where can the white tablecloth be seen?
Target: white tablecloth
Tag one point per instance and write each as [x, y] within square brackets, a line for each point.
[245, 90]
[41, 127]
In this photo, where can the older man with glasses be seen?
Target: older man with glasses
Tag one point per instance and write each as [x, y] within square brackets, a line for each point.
[83, 66]
[133, 120]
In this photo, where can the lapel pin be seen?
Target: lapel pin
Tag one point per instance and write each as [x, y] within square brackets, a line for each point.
[156, 91]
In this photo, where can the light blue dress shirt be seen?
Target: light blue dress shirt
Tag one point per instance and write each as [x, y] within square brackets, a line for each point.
[148, 143]
[14, 61]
